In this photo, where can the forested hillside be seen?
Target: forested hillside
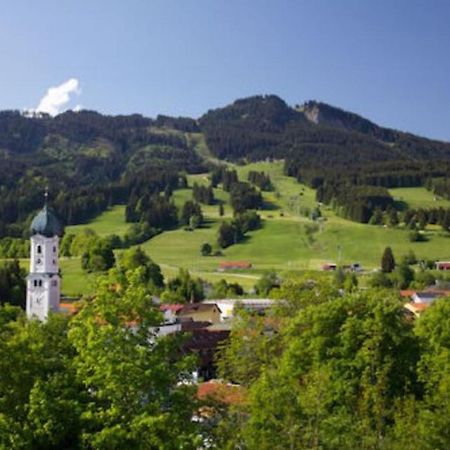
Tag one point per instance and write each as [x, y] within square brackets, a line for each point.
[89, 160]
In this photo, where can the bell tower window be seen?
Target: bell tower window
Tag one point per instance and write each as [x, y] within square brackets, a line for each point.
[39, 249]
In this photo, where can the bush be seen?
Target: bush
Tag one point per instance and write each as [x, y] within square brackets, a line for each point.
[206, 249]
[416, 236]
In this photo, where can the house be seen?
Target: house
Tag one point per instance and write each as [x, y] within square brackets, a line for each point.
[329, 266]
[234, 265]
[170, 312]
[426, 296]
[442, 265]
[421, 300]
[416, 308]
[200, 312]
[227, 305]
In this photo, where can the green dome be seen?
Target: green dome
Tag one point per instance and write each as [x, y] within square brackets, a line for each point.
[46, 223]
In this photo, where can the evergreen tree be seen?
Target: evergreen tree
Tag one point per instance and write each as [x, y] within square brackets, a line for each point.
[387, 261]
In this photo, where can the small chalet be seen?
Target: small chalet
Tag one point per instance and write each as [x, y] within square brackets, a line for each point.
[422, 300]
[200, 312]
[234, 265]
[170, 312]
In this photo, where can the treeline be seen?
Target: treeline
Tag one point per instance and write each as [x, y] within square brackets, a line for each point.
[203, 194]
[260, 179]
[355, 202]
[233, 232]
[88, 161]
[323, 145]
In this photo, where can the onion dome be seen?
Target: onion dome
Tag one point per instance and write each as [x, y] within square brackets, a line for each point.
[46, 223]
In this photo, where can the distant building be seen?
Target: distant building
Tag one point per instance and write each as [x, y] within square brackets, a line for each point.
[170, 312]
[422, 300]
[200, 312]
[442, 265]
[228, 305]
[234, 265]
[329, 266]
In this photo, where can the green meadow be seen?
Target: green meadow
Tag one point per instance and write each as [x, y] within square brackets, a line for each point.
[287, 241]
[111, 221]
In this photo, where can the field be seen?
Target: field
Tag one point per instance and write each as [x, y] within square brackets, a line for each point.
[418, 197]
[111, 221]
[288, 240]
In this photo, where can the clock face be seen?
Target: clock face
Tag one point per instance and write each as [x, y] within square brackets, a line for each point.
[39, 297]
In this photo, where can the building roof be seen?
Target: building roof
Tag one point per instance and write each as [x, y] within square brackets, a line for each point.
[235, 264]
[416, 308]
[46, 223]
[229, 394]
[171, 307]
[407, 293]
[198, 307]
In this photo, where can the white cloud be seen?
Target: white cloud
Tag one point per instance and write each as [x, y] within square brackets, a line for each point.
[57, 97]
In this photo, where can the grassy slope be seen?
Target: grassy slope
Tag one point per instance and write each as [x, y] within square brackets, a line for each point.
[281, 244]
[111, 221]
[418, 198]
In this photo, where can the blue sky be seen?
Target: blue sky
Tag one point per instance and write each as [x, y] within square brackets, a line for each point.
[388, 60]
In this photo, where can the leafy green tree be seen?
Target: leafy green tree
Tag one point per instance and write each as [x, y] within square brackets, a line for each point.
[387, 261]
[393, 219]
[41, 402]
[404, 275]
[98, 257]
[135, 399]
[205, 249]
[380, 280]
[267, 282]
[227, 235]
[377, 217]
[223, 289]
[194, 222]
[135, 258]
[184, 288]
[344, 366]
[12, 284]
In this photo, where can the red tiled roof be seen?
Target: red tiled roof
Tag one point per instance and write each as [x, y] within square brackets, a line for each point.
[224, 393]
[198, 307]
[170, 307]
[416, 308]
[235, 264]
[69, 308]
[407, 293]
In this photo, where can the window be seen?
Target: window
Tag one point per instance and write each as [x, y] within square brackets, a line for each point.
[54, 249]
[40, 283]
[54, 262]
[35, 283]
[39, 249]
[54, 283]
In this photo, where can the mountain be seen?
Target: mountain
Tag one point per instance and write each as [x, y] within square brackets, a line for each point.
[90, 160]
[265, 126]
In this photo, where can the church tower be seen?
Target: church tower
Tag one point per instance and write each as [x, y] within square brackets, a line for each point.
[43, 281]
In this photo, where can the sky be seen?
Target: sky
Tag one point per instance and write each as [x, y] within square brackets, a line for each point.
[388, 60]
